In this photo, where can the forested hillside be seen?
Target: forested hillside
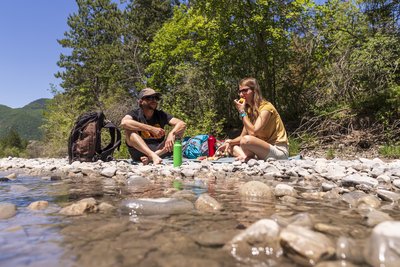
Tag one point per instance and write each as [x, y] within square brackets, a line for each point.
[25, 121]
[330, 69]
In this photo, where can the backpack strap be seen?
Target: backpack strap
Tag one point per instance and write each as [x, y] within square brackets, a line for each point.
[115, 142]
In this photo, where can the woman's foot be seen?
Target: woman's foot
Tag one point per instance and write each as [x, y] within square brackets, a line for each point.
[243, 158]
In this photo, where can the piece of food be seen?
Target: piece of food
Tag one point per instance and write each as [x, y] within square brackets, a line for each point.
[241, 100]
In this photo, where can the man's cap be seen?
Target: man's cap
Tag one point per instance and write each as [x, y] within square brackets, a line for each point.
[148, 92]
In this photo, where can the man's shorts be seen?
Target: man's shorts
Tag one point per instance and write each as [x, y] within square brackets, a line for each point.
[136, 154]
[279, 151]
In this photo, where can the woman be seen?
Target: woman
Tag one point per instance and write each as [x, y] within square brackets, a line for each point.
[263, 135]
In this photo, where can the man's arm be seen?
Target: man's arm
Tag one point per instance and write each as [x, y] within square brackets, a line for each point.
[178, 130]
[128, 123]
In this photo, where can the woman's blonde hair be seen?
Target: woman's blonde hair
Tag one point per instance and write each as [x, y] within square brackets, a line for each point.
[257, 97]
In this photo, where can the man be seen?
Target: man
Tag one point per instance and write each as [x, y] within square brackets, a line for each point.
[144, 129]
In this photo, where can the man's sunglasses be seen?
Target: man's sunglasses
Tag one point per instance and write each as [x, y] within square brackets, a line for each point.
[151, 97]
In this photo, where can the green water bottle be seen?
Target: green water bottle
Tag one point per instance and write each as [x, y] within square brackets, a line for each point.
[177, 153]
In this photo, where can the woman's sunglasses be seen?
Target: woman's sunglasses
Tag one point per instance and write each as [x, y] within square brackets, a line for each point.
[244, 90]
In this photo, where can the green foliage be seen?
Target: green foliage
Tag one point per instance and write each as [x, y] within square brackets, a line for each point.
[294, 147]
[309, 59]
[12, 144]
[26, 120]
[390, 151]
[330, 154]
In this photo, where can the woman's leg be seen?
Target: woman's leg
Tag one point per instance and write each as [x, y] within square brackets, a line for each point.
[253, 146]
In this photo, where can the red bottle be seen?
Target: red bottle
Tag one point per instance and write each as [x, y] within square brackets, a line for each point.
[211, 145]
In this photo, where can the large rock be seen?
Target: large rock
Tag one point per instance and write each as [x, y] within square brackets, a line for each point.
[7, 210]
[260, 242]
[157, 206]
[305, 246]
[87, 205]
[383, 247]
[207, 203]
[38, 205]
[256, 189]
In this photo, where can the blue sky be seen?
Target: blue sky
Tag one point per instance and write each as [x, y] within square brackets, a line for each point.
[29, 51]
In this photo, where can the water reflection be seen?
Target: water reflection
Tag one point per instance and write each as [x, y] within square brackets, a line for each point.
[135, 238]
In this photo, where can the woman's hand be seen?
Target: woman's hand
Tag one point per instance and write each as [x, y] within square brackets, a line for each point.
[225, 147]
[240, 104]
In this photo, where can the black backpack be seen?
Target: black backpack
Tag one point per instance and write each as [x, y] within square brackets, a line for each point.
[84, 143]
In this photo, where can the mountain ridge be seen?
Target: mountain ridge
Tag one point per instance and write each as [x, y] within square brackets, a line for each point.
[26, 120]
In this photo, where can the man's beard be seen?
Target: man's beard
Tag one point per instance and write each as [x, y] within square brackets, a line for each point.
[149, 106]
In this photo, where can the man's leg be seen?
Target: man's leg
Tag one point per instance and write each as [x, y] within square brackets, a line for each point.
[134, 140]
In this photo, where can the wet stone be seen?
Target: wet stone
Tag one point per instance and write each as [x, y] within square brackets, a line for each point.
[215, 238]
[255, 189]
[284, 190]
[329, 229]
[305, 246]
[206, 203]
[388, 195]
[382, 248]
[11, 176]
[357, 179]
[7, 210]
[38, 205]
[159, 206]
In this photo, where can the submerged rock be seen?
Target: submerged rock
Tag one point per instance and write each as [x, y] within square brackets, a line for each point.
[383, 246]
[156, 206]
[305, 246]
[38, 205]
[207, 203]
[256, 189]
[7, 210]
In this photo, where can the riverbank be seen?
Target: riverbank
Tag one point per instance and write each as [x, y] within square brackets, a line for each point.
[342, 210]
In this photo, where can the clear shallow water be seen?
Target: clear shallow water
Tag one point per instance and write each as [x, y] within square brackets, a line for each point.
[44, 238]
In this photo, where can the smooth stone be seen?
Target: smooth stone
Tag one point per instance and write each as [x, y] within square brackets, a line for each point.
[329, 229]
[38, 205]
[388, 195]
[185, 194]
[83, 206]
[19, 188]
[305, 246]
[11, 176]
[157, 206]
[357, 179]
[369, 200]
[375, 217]
[109, 171]
[264, 233]
[284, 190]
[255, 189]
[383, 246]
[7, 210]
[105, 207]
[215, 238]
[396, 183]
[206, 203]
[350, 250]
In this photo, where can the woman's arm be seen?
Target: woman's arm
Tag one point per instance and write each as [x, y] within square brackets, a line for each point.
[261, 121]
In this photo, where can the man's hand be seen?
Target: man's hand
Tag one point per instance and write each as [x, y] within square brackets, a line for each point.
[157, 132]
[169, 143]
